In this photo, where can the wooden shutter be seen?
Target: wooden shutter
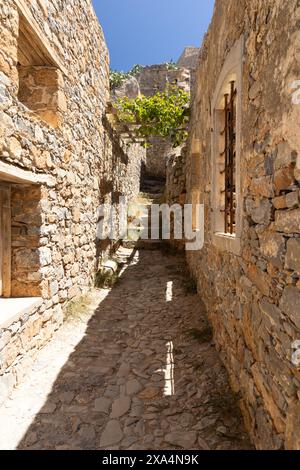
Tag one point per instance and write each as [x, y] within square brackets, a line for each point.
[5, 240]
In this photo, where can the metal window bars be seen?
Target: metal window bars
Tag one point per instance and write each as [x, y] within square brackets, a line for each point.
[229, 155]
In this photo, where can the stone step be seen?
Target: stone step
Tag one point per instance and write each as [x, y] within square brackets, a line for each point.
[153, 186]
[143, 244]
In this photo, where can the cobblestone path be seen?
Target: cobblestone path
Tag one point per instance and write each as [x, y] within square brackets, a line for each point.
[136, 369]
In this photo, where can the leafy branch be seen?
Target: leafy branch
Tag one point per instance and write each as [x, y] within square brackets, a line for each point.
[165, 114]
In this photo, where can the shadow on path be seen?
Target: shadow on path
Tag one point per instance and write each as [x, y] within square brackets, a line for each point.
[146, 374]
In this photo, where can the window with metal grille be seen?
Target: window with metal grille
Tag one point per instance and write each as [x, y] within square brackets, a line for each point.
[229, 156]
[226, 151]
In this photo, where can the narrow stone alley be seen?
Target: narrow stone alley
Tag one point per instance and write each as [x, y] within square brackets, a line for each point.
[135, 367]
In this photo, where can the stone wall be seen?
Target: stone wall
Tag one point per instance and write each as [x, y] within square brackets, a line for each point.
[176, 177]
[154, 78]
[175, 192]
[253, 298]
[54, 225]
[157, 154]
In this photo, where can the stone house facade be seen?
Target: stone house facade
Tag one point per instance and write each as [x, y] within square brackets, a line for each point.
[59, 160]
[243, 164]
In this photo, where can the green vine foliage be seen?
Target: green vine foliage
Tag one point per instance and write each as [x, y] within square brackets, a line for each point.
[165, 114]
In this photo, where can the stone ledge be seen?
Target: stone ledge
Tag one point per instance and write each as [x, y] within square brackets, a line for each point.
[12, 309]
[226, 242]
[14, 174]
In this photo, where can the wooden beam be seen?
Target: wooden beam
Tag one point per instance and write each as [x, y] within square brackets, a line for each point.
[5, 190]
[13, 174]
[29, 52]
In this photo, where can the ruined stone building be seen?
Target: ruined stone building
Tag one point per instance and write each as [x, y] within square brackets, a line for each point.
[152, 79]
[59, 160]
[243, 164]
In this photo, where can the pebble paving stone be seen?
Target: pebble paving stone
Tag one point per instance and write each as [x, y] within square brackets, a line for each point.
[107, 380]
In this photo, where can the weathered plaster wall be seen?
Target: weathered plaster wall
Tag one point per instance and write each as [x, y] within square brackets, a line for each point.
[253, 300]
[54, 249]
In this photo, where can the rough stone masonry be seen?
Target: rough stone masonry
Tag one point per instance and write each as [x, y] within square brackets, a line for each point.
[59, 160]
[250, 282]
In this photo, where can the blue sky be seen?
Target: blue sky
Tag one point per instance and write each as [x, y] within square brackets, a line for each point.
[151, 31]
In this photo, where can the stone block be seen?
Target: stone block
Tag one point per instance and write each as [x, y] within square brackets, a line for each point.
[260, 211]
[287, 221]
[292, 260]
[279, 202]
[5, 99]
[290, 304]
[283, 179]
[272, 246]
[260, 376]
[285, 156]
[112, 434]
[292, 199]
[263, 186]
[45, 256]
[61, 102]
[260, 279]
[53, 288]
[15, 148]
[53, 118]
